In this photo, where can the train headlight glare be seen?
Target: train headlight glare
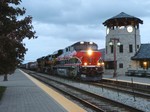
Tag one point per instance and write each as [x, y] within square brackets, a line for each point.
[85, 63]
[98, 64]
[89, 52]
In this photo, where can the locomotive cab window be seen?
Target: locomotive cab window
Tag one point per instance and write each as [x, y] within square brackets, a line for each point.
[85, 46]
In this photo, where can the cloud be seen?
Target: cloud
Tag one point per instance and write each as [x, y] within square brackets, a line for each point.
[71, 32]
[82, 11]
[60, 23]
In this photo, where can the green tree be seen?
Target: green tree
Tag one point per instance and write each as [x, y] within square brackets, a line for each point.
[12, 32]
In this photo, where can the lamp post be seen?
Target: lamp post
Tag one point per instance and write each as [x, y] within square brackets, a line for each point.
[114, 42]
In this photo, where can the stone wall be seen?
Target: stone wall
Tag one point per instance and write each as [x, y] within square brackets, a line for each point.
[125, 39]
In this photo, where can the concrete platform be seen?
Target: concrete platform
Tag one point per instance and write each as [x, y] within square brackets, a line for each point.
[138, 80]
[24, 95]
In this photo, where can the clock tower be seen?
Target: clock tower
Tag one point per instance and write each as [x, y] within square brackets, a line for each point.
[122, 42]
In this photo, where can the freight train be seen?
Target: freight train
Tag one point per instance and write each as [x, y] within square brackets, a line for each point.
[82, 61]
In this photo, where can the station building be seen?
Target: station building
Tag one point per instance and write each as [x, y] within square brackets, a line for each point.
[123, 48]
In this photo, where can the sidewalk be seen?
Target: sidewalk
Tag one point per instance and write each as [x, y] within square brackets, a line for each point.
[22, 95]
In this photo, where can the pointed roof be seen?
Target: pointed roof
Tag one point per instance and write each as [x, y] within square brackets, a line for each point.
[122, 17]
[143, 53]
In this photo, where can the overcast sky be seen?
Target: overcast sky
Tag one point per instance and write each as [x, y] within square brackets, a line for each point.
[60, 23]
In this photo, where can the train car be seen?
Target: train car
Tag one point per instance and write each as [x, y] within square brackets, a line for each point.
[43, 64]
[46, 64]
[81, 60]
[29, 66]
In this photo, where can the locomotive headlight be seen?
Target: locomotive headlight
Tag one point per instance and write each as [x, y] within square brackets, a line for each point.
[85, 63]
[98, 64]
[102, 63]
[89, 52]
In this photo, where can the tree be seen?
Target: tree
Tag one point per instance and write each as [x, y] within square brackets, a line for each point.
[12, 32]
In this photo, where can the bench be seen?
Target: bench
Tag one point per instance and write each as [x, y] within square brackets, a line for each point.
[137, 72]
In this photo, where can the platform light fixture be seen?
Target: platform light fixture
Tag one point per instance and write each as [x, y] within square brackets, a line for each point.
[115, 42]
[145, 64]
[110, 43]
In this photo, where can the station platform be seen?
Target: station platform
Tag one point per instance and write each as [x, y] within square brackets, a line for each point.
[26, 94]
[138, 80]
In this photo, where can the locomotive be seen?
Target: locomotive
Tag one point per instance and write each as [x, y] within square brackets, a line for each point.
[82, 61]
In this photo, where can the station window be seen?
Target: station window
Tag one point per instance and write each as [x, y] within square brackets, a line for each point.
[130, 48]
[121, 27]
[120, 65]
[121, 48]
[112, 48]
[109, 65]
[138, 46]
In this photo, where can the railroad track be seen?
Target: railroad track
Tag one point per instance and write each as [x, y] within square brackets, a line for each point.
[123, 89]
[89, 99]
[130, 86]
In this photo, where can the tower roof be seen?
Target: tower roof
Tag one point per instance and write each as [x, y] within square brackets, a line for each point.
[122, 19]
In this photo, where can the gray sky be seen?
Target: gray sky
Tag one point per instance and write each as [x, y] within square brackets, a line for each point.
[60, 23]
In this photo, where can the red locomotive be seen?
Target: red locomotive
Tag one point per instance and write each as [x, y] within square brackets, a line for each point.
[81, 60]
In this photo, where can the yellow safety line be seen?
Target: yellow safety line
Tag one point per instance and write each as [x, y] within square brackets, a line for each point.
[67, 104]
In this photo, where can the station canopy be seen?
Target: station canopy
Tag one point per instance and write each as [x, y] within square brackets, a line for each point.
[143, 53]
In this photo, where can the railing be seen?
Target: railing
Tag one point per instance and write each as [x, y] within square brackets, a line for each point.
[138, 72]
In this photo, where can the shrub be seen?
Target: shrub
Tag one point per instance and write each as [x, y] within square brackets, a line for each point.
[2, 90]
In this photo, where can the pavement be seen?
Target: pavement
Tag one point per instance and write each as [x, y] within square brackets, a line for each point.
[25, 94]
